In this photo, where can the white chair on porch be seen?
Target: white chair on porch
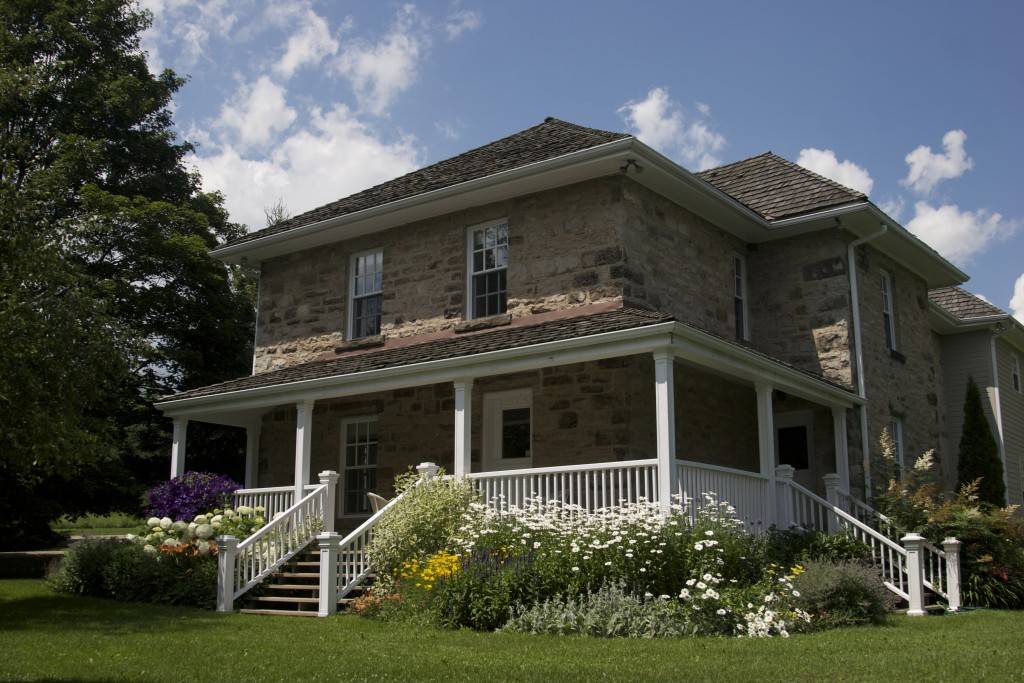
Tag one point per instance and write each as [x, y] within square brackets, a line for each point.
[376, 502]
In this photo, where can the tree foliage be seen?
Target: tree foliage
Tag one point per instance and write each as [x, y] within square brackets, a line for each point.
[108, 297]
[979, 453]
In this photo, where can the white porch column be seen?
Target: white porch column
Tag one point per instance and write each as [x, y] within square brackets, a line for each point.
[766, 442]
[665, 418]
[303, 441]
[463, 426]
[252, 453]
[842, 447]
[178, 447]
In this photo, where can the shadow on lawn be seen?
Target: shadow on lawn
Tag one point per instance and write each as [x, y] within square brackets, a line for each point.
[55, 613]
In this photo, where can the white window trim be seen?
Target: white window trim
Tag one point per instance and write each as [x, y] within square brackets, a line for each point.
[494, 404]
[343, 468]
[469, 261]
[745, 295]
[351, 315]
[889, 307]
[796, 418]
[896, 434]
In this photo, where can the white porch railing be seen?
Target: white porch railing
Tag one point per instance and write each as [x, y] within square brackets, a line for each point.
[243, 565]
[589, 487]
[273, 499]
[746, 491]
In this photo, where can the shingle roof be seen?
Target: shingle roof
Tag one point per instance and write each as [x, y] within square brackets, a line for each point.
[467, 344]
[550, 139]
[961, 304]
[776, 188]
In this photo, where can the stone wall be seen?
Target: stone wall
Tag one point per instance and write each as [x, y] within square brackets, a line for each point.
[906, 383]
[564, 251]
[800, 304]
[678, 262]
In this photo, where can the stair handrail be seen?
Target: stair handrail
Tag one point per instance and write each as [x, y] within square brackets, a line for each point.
[273, 544]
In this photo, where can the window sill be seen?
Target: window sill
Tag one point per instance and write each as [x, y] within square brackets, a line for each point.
[361, 343]
[483, 323]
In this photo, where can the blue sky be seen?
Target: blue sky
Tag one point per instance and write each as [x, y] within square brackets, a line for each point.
[919, 103]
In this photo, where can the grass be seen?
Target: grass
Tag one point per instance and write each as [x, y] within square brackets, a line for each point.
[113, 524]
[44, 636]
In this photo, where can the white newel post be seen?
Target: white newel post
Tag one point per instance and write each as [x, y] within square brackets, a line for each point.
[834, 497]
[328, 543]
[226, 547]
[665, 418]
[952, 548]
[330, 501]
[303, 442]
[463, 426]
[786, 511]
[427, 470]
[914, 543]
[252, 454]
[766, 443]
[178, 447]
[842, 447]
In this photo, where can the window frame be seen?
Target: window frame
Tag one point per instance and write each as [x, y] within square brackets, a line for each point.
[344, 469]
[351, 316]
[741, 280]
[1015, 378]
[470, 273]
[889, 310]
[896, 434]
[494, 405]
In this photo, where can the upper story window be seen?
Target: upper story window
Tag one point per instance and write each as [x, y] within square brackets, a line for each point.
[739, 272]
[1016, 374]
[888, 311]
[366, 294]
[488, 266]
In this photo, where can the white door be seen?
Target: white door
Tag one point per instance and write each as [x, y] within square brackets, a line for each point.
[508, 430]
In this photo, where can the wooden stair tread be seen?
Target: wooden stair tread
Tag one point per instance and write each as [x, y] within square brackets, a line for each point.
[279, 612]
[305, 575]
[293, 586]
[284, 598]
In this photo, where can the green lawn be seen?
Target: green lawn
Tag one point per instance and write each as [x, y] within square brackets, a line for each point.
[50, 637]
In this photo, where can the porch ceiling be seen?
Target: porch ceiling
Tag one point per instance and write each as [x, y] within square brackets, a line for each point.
[621, 332]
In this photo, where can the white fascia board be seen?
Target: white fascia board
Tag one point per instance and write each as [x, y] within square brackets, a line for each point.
[609, 152]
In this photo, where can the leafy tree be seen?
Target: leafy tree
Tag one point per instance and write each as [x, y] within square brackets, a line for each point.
[979, 453]
[108, 297]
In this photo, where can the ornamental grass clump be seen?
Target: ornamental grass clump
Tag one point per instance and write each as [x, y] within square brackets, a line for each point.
[191, 494]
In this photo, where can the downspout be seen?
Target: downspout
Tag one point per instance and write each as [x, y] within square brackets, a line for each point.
[997, 413]
[851, 260]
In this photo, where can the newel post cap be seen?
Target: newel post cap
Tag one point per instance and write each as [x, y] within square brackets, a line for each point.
[225, 542]
[328, 477]
[427, 470]
[784, 472]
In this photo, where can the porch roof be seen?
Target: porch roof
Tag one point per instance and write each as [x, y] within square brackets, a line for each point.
[617, 332]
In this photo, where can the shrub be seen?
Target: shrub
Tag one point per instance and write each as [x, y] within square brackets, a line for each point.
[796, 546]
[190, 494]
[480, 594]
[978, 458]
[842, 593]
[198, 536]
[123, 570]
[421, 524]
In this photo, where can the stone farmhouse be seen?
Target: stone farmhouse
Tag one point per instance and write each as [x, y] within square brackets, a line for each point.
[567, 313]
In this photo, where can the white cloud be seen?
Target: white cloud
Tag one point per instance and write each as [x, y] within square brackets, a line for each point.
[380, 70]
[256, 112]
[334, 156]
[311, 41]
[188, 26]
[1017, 300]
[460, 20]
[660, 122]
[893, 207]
[928, 169]
[450, 130]
[958, 235]
[845, 172]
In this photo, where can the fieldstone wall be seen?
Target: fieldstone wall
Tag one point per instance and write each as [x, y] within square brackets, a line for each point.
[906, 383]
[800, 303]
[564, 251]
[678, 262]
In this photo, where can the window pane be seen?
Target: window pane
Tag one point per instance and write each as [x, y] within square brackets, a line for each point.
[739, 320]
[515, 433]
[366, 316]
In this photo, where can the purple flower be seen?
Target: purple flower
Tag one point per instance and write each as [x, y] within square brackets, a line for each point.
[190, 494]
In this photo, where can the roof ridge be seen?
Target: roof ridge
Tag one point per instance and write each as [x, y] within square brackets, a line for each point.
[598, 132]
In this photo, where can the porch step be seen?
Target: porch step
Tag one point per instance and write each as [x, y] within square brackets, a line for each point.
[285, 598]
[279, 612]
[298, 575]
[293, 586]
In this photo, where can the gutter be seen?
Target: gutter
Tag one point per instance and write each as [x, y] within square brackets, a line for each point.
[851, 260]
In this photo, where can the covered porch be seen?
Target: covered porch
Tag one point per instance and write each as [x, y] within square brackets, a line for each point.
[650, 408]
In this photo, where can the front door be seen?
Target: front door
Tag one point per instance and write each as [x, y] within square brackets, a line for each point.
[794, 445]
[508, 430]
